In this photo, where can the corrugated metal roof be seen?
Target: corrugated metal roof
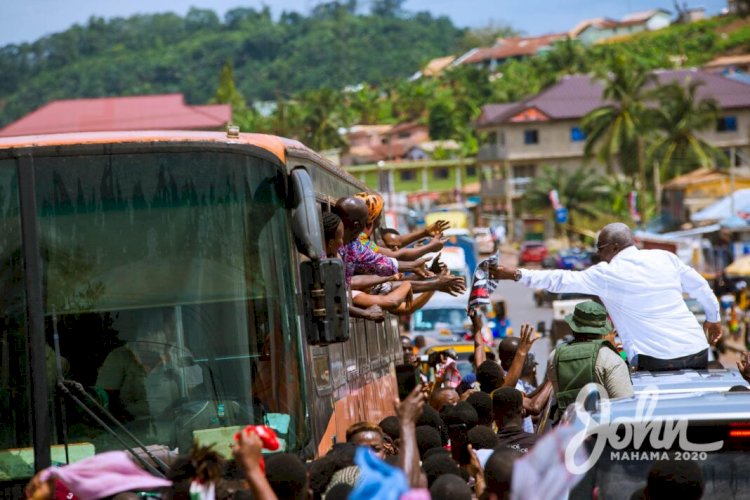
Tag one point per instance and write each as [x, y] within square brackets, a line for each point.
[575, 96]
[146, 112]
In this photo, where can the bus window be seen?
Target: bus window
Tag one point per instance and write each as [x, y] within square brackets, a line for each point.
[338, 370]
[16, 454]
[171, 278]
[360, 336]
[350, 352]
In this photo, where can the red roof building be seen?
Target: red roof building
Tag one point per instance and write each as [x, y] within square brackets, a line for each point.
[510, 48]
[145, 112]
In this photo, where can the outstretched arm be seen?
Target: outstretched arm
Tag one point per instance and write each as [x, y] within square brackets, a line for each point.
[528, 337]
[416, 304]
[389, 302]
[414, 253]
[559, 281]
[535, 403]
[432, 230]
[366, 281]
[480, 356]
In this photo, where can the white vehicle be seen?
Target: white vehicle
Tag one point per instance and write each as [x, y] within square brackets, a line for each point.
[442, 319]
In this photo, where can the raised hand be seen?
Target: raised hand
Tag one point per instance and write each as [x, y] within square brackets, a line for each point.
[420, 269]
[410, 409]
[527, 338]
[375, 313]
[437, 227]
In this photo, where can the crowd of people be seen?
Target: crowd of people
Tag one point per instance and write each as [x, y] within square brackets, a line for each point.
[452, 437]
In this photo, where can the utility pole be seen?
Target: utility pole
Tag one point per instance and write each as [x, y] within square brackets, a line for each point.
[732, 160]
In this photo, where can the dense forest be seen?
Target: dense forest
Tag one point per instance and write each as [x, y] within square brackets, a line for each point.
[334, 46]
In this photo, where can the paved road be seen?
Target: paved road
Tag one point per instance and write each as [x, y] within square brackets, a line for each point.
[521, 309]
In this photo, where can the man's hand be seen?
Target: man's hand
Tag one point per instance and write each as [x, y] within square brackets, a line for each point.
[437, 227]
[714, 331]
[375, 313]
[744, 365]
[396, 277]
[410, 409]
[476, 324]
[420, 269]
[454, 285]
[436, 243]
[502, 273]
[527, 339]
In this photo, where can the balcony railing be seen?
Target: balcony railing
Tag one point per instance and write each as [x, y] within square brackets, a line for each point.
[492, 151]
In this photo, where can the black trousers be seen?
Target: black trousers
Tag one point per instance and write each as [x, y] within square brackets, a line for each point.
[697, 361]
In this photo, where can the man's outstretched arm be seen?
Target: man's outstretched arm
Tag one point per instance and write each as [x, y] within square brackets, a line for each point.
[559, 281]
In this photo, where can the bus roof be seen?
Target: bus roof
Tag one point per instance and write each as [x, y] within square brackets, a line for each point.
[273, 144]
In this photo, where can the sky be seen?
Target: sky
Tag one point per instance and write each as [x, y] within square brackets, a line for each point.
[28, 20]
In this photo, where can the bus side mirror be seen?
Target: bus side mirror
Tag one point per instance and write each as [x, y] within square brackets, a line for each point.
[324, 301]
[326, 309]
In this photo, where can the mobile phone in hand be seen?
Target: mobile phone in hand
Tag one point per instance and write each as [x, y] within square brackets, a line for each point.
[458, 435]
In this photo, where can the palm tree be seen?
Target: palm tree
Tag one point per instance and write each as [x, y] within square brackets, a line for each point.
[618, 129]
[680, 115]
[322, 118]
[578, 190]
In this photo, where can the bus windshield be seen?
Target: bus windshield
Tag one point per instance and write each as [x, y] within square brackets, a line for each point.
[168, 279]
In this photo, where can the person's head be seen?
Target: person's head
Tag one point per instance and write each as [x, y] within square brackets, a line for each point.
[374, 203]
[390, 238]
[333, 232]
[366, 434]
[482, 403]
[498, 473]
[431, 418]
[287, 476]
[461, 413]
[323, 469]
[438, 465]
[482, 437]
[489, 376]
[507, 407]
[353, 213]
[674, 479]
[339, 492]
[739, 388]
[507, 351]
[427, 438]
[407, 347]
[450, 487]
[589, 320]
[391, 427]
[443, 397]
[419, 341]
[613, 238]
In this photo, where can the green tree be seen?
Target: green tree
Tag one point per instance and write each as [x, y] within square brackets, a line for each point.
[321, 119]
[578, 190]
[681, 113]
[227, 93]
[616, 132]
[485, 36]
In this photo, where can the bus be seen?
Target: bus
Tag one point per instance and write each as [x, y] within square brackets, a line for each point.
[161, 288]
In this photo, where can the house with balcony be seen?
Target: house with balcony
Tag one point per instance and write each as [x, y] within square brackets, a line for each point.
[545, 130]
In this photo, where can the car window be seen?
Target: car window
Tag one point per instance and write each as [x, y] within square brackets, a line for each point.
[430, 319]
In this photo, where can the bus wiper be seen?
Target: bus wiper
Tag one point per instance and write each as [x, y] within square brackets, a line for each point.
[63, 383]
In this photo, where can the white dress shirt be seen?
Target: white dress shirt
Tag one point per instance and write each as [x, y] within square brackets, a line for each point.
[643, 293]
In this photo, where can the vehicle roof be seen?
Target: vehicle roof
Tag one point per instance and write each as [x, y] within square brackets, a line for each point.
[273, 144]
[459, 347]
[706, 406]
[687, 381]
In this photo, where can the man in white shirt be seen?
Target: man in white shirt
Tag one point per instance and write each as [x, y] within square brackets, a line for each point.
[643, 293]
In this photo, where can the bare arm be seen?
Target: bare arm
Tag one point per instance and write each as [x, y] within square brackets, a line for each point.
[480, 356]
[432, 230]
[408, 412]
[454, 285]
[389, 302]
[414, 253]
[365, 281]
[372, 313]
[534, 405]
[249, 457]
[417, 303]
[527, 340]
